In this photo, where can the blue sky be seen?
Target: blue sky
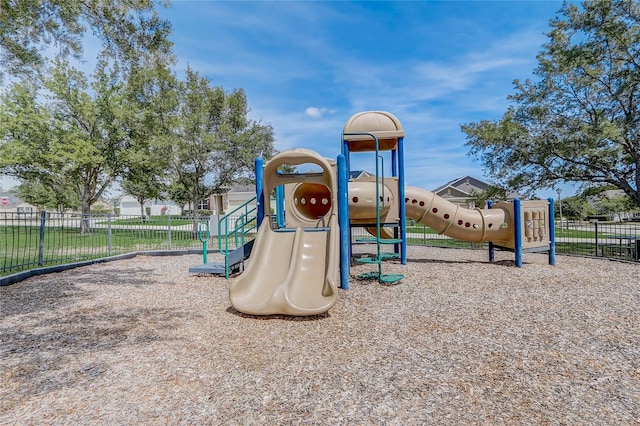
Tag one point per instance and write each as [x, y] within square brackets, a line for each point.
[306, 67]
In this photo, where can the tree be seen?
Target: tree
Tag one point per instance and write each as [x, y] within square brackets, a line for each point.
[125, 27]
[575, 207]
[214, 143]
[42, 194]
[615, 205]
[492, 193]
[151, 91]
[580, 121]
[78, 140]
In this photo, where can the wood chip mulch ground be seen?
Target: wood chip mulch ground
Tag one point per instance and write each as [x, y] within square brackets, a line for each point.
[458, 341]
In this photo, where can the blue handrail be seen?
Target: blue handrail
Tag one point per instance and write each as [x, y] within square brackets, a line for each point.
[245, 223]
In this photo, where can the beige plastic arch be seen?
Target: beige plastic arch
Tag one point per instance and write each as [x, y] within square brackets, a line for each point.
[294, 271]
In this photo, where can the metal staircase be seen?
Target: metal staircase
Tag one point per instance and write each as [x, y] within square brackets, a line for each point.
[380, 242]
[234, 243]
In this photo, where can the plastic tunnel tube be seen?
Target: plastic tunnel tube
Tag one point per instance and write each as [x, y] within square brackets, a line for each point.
[445, 217]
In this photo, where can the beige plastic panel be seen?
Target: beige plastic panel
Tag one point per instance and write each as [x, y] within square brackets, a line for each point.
[362, 200]
[535, 226]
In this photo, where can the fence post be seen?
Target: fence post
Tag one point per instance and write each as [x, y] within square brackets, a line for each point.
[595, 224]
[169, 230]
[492, 250]
[109, 236]
[43, 219]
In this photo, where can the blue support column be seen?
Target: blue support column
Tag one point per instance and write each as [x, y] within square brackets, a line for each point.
[346, 154]
[343, 220]
[552, 232]
[492, 250]
[517, 224]
[259, 168]
[280, 206]
[402, 209]
[394, 173]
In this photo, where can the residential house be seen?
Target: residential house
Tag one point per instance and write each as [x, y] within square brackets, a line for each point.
[127, 205]
[462, 191]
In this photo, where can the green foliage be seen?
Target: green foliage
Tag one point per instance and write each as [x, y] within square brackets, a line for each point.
[213, 143]
[580, 120]
[73, 140]
[40, 194]
[492, 193]
[614, 206]
[125, 27]
[576, 208]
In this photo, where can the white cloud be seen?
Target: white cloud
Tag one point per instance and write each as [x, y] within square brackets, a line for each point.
[316, 113]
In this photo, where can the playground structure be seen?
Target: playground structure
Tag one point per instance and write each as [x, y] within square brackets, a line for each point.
[299, 260]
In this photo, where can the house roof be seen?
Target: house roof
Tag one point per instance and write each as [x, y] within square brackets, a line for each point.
[355, 174]
[462, 186]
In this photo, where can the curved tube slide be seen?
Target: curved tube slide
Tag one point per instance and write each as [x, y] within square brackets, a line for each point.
[445, 217]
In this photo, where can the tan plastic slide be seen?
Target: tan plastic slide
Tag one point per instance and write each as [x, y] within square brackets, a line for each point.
[293, 271]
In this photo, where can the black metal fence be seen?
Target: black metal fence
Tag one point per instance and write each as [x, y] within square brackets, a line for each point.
[34, 240]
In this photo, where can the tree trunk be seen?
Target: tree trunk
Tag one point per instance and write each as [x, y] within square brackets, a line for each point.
[85, 223]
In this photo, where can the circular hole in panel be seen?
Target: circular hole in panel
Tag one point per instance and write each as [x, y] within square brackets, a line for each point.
[467, 225]
[460, 222]
[435, 210]
[490, 225]
[421, 203]
[446, 216]
[414, 201]
[310, 194]
[355, 199]
[476, 226]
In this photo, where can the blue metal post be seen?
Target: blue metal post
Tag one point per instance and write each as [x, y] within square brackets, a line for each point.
[492, 250]
[346, 154]
[343, 221]
[280, 206]
[43, 220]
[552, 232]
[109, 235]
[401, 207]
[394, 173]
[517, 224]
[259, 166]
